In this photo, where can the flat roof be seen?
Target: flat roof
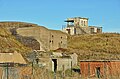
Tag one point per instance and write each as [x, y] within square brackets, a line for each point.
[96, 26]
[69, 20]
[72, 19]
[12, 58]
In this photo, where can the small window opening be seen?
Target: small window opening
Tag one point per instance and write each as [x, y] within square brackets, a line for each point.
[52, 36]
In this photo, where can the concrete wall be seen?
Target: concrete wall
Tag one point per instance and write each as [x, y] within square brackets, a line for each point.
[94, 29]
[66, 62]
[71, 29]
[58, 39]
[77, 30]
[16, 73]
[79, 22]
[48, 39]
[74, 57]
[82, 30]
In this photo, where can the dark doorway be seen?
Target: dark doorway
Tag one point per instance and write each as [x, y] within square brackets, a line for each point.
[92, 30]
[98, 30]
[55, 64]
[68, 31]
[98, 72]
[74, 30]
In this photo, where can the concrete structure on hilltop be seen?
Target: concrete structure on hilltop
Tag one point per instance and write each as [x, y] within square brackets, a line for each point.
[79, 25]
[48, 39]
[35, 36]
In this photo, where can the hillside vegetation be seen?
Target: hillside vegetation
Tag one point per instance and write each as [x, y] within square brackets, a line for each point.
[13, 24]
[8, 43]
[88, 47]
[98, 46]
[8, 40]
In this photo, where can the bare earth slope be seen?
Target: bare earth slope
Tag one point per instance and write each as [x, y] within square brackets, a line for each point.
[99, 46]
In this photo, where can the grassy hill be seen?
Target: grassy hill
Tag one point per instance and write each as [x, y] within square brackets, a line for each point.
[13, 24]
[8, 42]
[98, 46]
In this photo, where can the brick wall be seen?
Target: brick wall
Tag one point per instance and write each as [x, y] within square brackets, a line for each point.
[88, 69]
[107, 68]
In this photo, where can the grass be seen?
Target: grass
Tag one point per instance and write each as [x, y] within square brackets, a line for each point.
[104, 46]
[8, 43]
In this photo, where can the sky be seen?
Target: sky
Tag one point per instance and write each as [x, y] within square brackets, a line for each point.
[53, 13]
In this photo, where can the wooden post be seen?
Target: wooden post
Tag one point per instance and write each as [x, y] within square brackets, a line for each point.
[88, 69]
[105, 70]
[7, 72]
[33, 69]
[63, 72]
[71, 68]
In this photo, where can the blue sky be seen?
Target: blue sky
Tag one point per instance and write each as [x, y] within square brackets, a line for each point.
[52, 13]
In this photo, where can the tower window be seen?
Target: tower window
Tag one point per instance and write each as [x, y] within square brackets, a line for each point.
[52, 36]
[82, 23]
[52, 41]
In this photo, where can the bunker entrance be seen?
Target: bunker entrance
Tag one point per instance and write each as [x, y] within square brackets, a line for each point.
[55, 64]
